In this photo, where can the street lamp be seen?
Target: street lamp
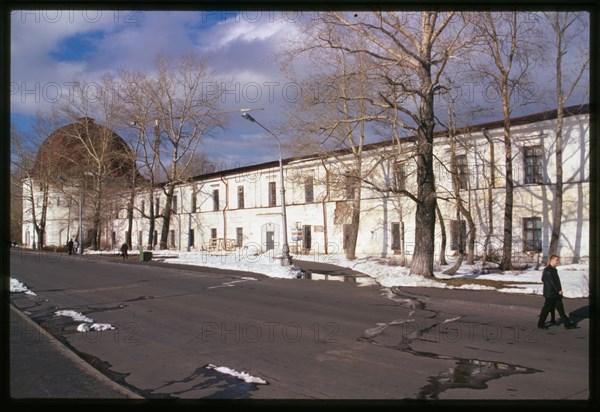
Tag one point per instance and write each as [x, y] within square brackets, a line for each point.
[286, 259]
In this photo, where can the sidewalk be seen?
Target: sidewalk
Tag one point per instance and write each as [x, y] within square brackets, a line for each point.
[43, 368]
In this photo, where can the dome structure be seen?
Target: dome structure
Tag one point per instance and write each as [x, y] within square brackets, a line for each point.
[84, 146]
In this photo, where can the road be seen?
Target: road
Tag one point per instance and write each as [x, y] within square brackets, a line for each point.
[305, 339]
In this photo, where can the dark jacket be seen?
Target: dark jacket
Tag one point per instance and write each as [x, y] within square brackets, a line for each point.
[551, 282]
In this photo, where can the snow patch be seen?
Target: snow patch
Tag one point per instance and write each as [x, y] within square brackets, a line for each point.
[246, 377]
[18, 287]
[88, 325]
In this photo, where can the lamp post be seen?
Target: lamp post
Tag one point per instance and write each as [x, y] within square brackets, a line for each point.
[286, 259]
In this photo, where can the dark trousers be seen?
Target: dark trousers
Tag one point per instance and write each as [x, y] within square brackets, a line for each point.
[549, 305]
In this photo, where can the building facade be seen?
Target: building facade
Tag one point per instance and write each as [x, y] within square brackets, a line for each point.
[240, 209]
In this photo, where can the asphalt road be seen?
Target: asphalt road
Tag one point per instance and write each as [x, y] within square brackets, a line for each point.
[306, 339]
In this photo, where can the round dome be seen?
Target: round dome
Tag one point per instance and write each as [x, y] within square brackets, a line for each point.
[83, 146]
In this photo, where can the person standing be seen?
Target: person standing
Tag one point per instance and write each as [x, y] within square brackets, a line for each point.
[75, 246]
[124, 251]
[553, 295]
[70, 247]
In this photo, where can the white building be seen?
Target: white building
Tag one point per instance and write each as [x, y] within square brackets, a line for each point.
[240, 208]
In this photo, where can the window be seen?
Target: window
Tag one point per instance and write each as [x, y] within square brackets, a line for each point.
[239, 236]
[143, 208]
[533, 164]
[458, 234]
[272, 194]
[462, 172]
[308, 190]
[191, 238]
[532, 233]
[157, 206]
[399, 176]
[240, 197]
[174, 205]
[216, 200]
[397, 234]
[194, 203]
[213, 239]
[140, 237]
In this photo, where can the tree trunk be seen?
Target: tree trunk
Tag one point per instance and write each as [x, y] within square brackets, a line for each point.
[164, 234]
[151, 220]
[442, 261]
[490, 198]
[506, 263]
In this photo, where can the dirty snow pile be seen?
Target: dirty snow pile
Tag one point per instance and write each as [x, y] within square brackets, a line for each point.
[246, 377]
[265, 264]
[574, 277]
[387, 273]
[87, 325]
[17, 287]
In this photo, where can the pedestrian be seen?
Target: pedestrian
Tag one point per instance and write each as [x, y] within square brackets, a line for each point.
[553, 295]
[124, 250]
[70, 247]
[75, 246]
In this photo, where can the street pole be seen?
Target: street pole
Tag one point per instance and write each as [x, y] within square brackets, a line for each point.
[286, 259]
[81, 218]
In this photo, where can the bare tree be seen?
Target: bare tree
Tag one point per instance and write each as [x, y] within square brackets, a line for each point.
[184, 114]
[40, 166]
[101, 159]
[409, 52]
[566, 27]
[507, 39]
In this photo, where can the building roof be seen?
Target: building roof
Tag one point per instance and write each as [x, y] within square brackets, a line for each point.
[516, 121]
[67, 150]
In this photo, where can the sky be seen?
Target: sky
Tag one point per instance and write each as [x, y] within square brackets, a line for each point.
[51, 50]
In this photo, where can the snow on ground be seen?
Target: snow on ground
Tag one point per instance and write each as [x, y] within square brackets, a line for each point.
[574, 277]
[87, 325]
[246, 377]
[18, 287]
[386, 272]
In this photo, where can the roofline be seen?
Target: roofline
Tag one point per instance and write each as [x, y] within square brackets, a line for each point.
[514, 121]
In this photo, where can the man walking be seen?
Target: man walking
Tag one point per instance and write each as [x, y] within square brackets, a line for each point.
[553, 295]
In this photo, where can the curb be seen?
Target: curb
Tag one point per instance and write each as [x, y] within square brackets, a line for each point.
[83, 365]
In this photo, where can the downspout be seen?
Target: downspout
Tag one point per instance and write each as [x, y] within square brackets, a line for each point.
[324, 205]
[226, 183]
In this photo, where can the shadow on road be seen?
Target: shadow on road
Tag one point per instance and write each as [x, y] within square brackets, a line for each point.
[580, 314]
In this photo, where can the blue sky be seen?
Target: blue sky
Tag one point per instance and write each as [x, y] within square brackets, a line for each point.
[50, 50]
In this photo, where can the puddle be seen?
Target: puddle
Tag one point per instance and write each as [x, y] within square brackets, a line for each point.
[470, 374]
[466, 373]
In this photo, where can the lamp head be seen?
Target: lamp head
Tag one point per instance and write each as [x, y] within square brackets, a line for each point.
[248, 117]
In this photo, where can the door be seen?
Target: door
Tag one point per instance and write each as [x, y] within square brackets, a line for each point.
[270, 245]
[306, 237]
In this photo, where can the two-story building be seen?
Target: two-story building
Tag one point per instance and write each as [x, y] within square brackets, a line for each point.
[241, 207]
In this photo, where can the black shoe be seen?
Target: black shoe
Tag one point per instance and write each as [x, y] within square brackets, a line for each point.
[571, 325]
[542, 327]
[553, 323]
